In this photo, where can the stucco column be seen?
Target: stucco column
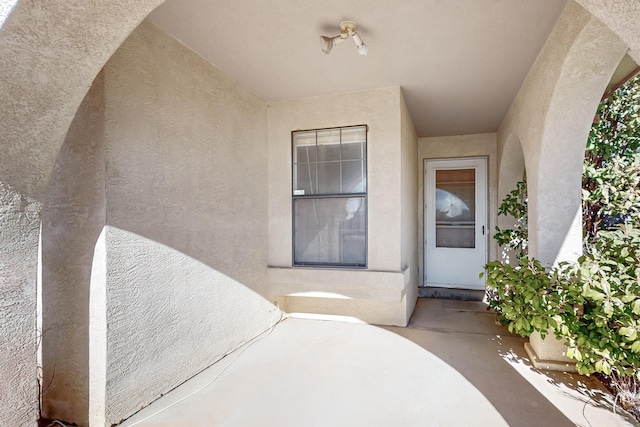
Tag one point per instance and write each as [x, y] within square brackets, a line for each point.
[50, 53]
[621, 17]
[555, 203]
[19, 235]
[552, 116]
[72, 220]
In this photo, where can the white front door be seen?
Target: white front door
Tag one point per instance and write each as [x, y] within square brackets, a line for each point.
[455, 222]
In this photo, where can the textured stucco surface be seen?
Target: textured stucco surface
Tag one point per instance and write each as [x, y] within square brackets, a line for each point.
[19, 232]
[168, 317]
[379, 109]
[551, 116]
[50, 52]
[409, 189]
[6, 6]
[186, 155]
[186, 194]
[511, 166]
[458, 147]
[621, 16]
[72, 220]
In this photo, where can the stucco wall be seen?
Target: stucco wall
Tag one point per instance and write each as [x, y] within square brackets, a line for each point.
[409, 189]
[460, 146]
[552, 116]
[185, 246]
[622, 17]
[380, 109]
[72, 220]
[50, 52]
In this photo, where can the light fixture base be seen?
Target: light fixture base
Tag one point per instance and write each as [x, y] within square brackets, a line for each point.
[347, 28]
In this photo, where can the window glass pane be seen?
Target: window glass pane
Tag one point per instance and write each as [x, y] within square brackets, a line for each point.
[305, 153]
[352, 177]
[329, 145]
[354, 134]
[329, 153]
[305, 178]
[455, 208]
[352, 151]
[329, 178]
[330, 231]
[304, 144]
[328, 137]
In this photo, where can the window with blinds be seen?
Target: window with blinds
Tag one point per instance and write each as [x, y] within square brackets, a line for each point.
[330, 197]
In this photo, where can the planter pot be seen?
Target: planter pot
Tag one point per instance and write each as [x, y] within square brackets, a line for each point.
[549, 353]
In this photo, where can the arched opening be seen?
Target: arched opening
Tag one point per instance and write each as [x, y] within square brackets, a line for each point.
[72, 220]
[552, 116]
[512, 170]
[50, 54]
[154, 232]
[609, 167]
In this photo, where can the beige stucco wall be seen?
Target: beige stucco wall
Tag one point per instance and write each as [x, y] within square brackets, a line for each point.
[620, 16]
[73, 218]
[480, 145]
[409, 191]
[381, 110]
[50, 52]
[182, 185]
[551, 116]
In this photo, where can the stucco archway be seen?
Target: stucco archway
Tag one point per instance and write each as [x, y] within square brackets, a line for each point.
[511, 170]
[557, 177]
[622, 17]
[552, 115]
[511, 166]
[50, 53]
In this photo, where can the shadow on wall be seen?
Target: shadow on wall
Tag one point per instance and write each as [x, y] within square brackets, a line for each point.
[168, 316]
[157, 317]
[154, 236]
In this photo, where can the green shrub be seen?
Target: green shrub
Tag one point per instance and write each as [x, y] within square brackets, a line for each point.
[530, 298]
[607, 336]
[515, 206]
[594, 304]
[611, 190]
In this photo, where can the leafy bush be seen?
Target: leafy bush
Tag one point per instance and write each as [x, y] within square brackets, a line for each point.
[612, 164]
[530, 298]
[594, 304]
[612, 194]
[607, 336]
[514, 205]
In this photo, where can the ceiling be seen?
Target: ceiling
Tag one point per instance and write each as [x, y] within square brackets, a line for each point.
[460, 62]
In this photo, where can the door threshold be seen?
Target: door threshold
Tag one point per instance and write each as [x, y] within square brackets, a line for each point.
[451, 293]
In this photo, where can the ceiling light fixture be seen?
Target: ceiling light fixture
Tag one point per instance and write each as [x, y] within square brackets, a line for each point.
[347, 29]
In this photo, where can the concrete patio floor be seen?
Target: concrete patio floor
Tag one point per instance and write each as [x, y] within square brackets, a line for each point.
[452, 366]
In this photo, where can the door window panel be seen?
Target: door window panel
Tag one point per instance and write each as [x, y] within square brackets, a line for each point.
[455, 208]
